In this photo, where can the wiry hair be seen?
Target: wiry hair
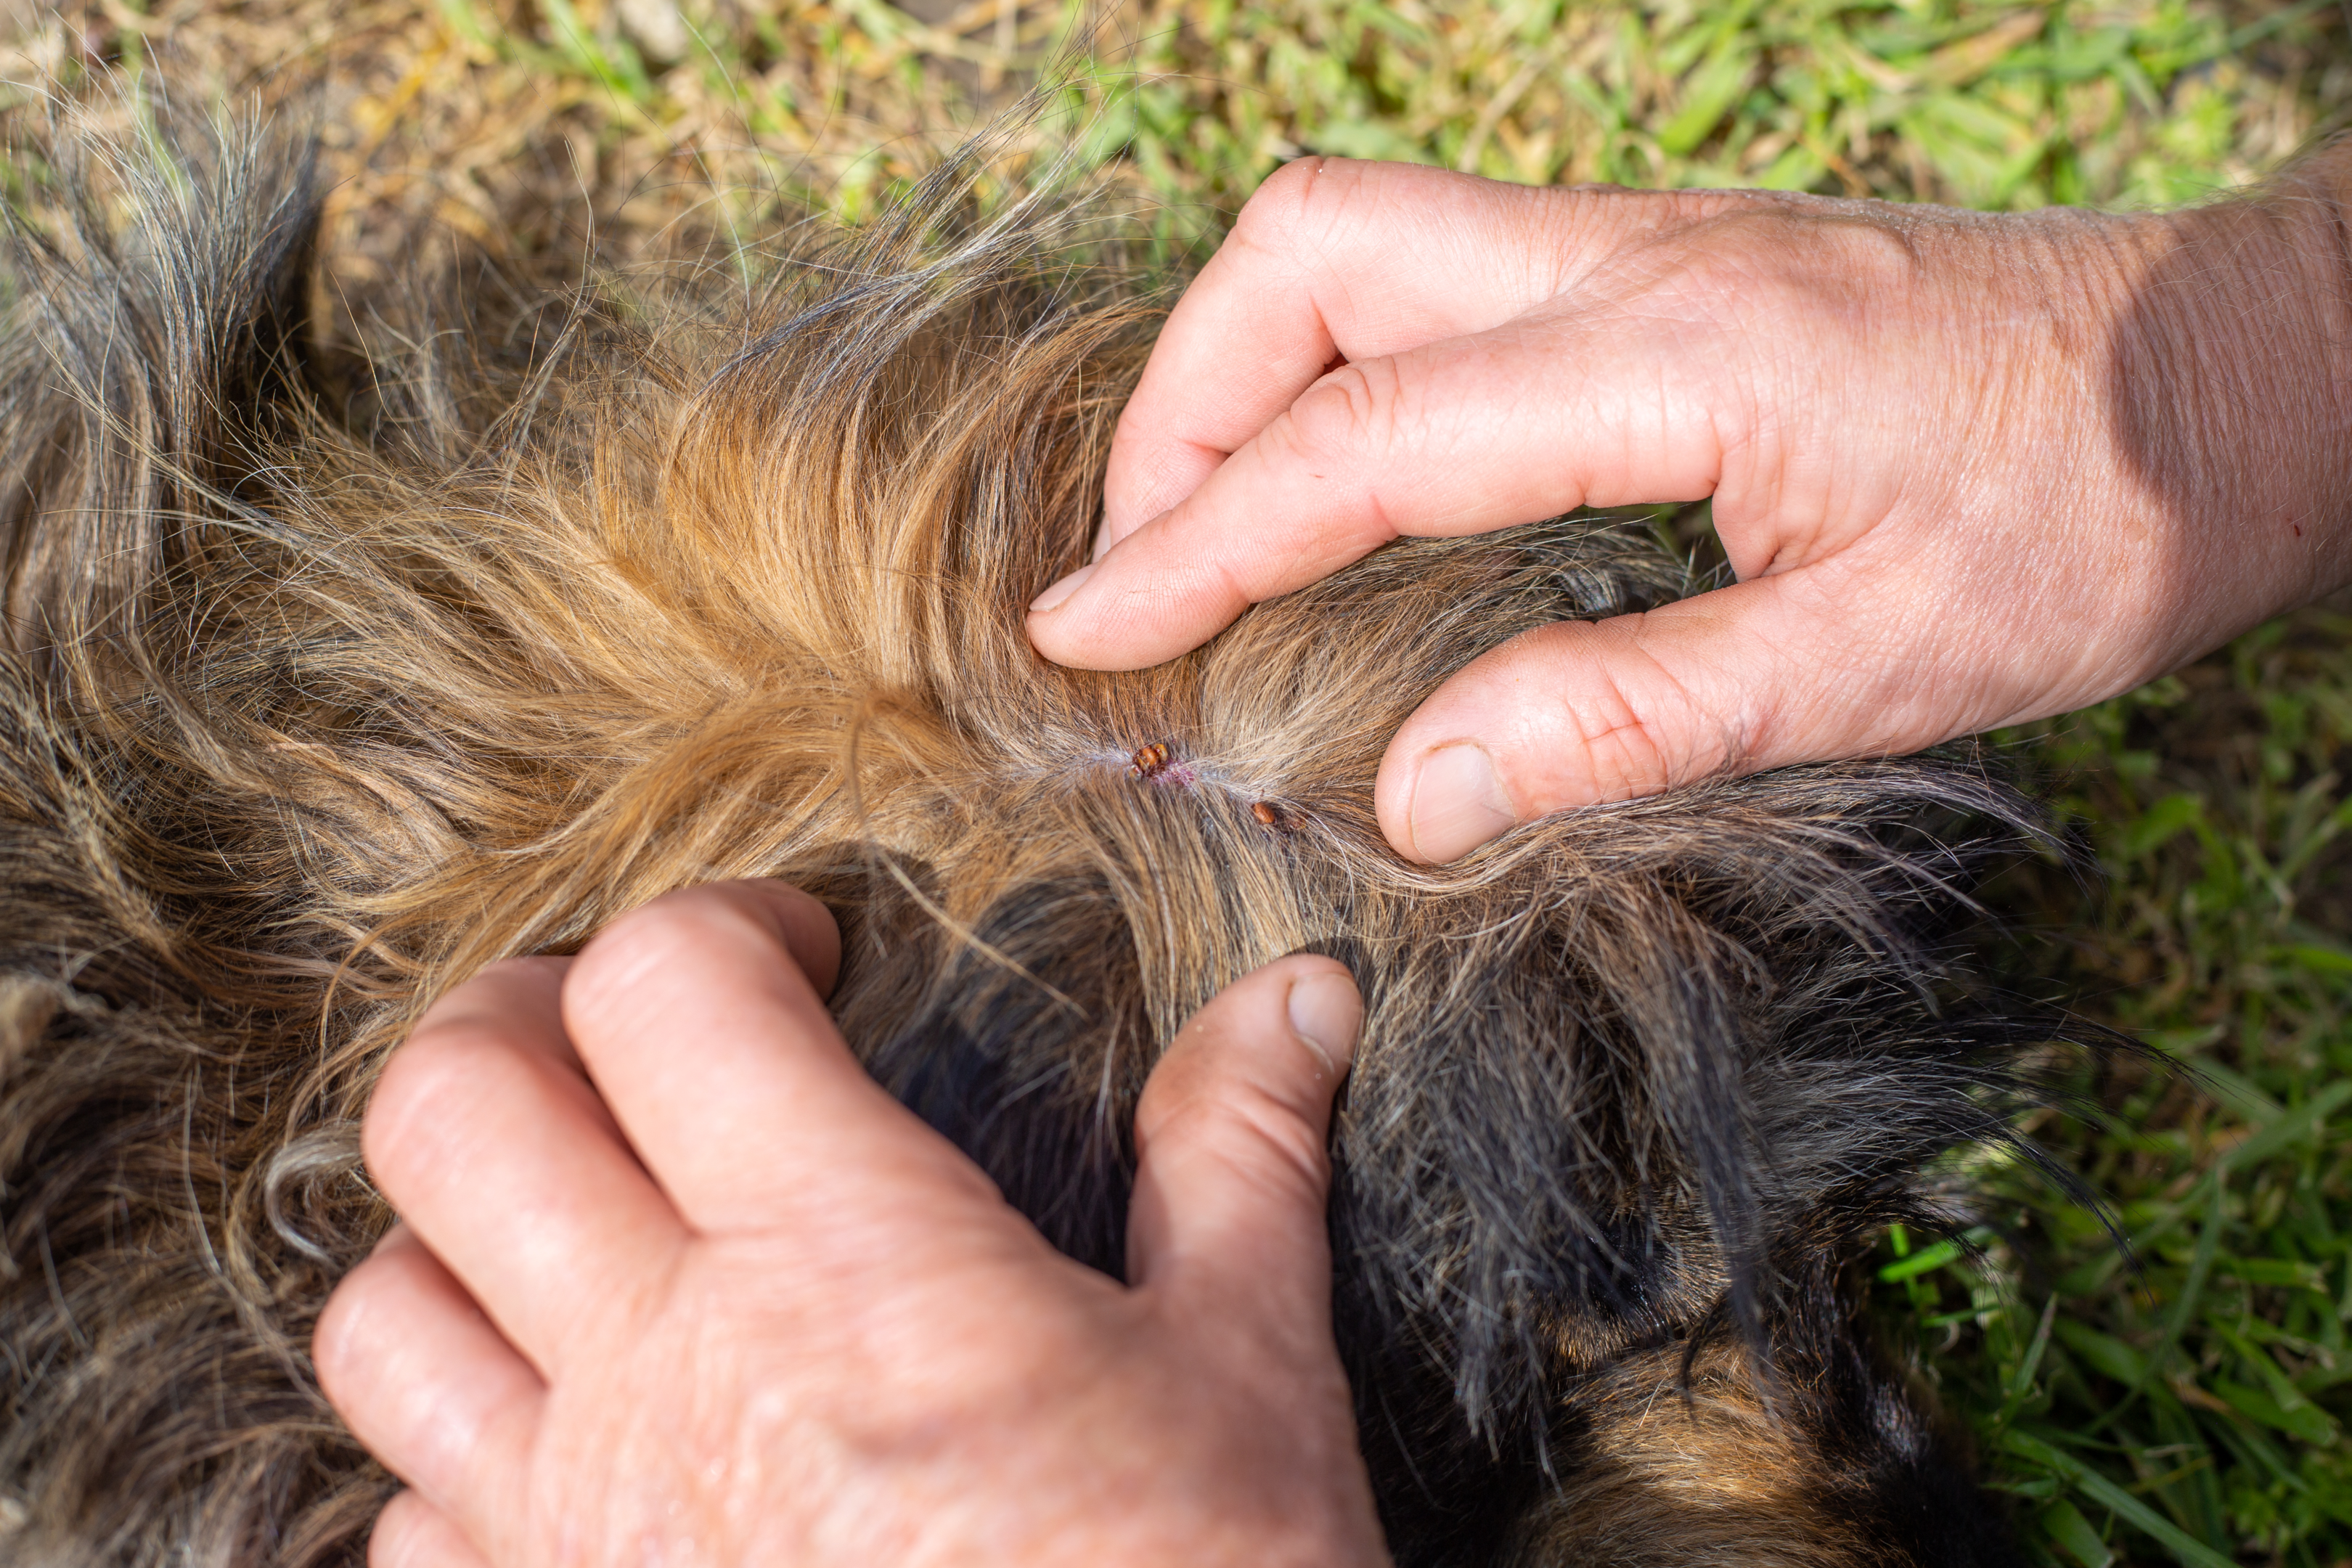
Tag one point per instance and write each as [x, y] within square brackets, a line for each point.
[340, 664]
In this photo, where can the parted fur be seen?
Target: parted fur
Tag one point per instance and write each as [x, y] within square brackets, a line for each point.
[339, 663]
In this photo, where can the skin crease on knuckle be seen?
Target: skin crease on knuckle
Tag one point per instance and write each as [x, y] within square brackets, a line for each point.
[1348, 420]
[1633, 1086]
[1303, 232]
[1600, 747]
[429, 1117]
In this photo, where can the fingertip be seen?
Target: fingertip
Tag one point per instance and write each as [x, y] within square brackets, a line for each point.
[1574, 714]
[1060, 622]
[1109, 615]
[402, 1127]
[372, 1316]
[1327, 1014]
[1454, 800]
[1062, 591]
[1309, 998]
[806, 927]
[1232, 1170]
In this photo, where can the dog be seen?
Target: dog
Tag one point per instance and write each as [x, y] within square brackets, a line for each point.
[345, 657]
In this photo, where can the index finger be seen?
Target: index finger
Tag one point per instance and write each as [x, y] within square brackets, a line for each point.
[1558, 409]
[1330, 258]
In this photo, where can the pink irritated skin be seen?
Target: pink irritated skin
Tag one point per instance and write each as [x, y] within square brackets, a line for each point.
[1968, 469]
[677, 1283]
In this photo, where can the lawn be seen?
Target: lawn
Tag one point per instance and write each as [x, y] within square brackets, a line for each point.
[2188, 1410]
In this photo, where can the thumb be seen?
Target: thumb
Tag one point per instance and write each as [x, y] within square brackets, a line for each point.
[1755, 676]
[1230, 1174]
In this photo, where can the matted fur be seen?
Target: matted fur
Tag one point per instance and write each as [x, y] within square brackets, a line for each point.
[337, 670]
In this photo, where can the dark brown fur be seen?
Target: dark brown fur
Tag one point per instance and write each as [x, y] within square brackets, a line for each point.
[340, 664]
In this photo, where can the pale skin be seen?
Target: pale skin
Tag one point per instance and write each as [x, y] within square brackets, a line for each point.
[676, 1283]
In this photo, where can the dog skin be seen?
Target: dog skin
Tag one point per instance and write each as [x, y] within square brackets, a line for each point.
[346, 661]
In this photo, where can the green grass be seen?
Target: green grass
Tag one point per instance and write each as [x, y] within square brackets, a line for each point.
[2199, 1402]
[2188, 1412]
[1986, 106]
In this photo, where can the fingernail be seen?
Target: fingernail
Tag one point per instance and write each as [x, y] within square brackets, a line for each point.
[1458, 803]
[1052, 598]
[1326, 1012]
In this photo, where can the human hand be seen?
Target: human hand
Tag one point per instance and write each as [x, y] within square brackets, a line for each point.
[1968, 469]
[738, 1306]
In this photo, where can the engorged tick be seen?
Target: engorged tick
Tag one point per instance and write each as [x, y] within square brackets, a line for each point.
[1149, 762]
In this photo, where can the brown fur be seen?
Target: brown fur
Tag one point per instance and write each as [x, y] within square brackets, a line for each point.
[341, 663]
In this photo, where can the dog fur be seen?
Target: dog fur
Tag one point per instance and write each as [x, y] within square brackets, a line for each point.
[342, 659]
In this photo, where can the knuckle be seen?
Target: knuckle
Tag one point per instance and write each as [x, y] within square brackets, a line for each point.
[341, 1350]
[1354, 412]
[396, 1540]
[1598, 738]
[1312, 203]
[1575, 222]
[1242, 1123]
[481, 993]
[1261, 1131]
[428, 1088]
[685, 943]
[1627, 761]
[1645, 737]
[435, 1062]
[525, 972]
[1765, 264]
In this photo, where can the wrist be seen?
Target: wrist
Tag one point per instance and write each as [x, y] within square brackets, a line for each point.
[2315, 198]
[2228, 382]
